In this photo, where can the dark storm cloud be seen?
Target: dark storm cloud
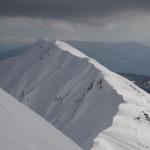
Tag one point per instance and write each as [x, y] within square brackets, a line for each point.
[69, 9]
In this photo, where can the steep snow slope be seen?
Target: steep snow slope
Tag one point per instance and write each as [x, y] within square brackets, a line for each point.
[22, 129]
[78, 96]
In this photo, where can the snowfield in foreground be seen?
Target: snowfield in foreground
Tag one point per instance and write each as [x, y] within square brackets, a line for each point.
[22, 129]
[79, 96]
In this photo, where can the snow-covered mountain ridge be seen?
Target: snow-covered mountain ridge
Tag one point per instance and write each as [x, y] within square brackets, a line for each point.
[22, 129]
[79, 96]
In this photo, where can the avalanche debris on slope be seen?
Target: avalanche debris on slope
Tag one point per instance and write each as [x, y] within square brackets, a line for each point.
[79, 96]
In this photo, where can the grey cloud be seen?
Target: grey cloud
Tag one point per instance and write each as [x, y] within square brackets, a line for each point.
[69, 9]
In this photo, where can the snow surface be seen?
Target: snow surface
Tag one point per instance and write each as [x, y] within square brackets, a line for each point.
[79, 96]
[22, 129]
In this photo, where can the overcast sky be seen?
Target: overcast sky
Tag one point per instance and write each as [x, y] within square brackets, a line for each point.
[23, 21]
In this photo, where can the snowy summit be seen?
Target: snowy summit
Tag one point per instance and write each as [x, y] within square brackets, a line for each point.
[96, 108]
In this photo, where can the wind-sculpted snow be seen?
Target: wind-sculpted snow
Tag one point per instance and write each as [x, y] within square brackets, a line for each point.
[78, 96]
[131, 126]
[22, 129]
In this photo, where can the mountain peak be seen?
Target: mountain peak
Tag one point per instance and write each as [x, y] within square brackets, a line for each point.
[79, 96]
[41, 41]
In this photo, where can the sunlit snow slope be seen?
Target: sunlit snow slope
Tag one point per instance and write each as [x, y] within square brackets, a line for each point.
[79, 96]
[22, 129]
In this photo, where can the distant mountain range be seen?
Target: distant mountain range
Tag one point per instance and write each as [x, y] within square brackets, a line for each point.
[14, 52]
[128, 57]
